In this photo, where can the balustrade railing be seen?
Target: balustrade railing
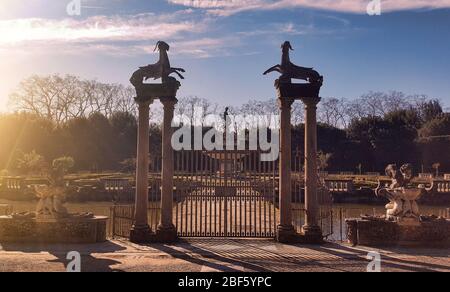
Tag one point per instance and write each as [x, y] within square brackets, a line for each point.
[340, 185]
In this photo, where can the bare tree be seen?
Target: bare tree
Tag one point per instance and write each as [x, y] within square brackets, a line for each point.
[298, 113]
[379, 104]
[37, 95]
[188, 106]
[63, 98]
[333, 112]
[124, 101]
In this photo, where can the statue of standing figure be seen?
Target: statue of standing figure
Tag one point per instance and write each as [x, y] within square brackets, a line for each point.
[226, 120]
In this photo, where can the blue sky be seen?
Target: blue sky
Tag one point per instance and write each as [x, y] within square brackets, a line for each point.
[226, 45]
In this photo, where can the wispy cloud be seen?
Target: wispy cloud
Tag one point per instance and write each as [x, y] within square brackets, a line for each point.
[229, 7]
[208, 47]
[190, 35]
[95, 31]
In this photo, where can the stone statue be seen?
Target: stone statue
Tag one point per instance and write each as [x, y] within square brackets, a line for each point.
[226, 121]
[226, 113]
[290, 71]
[51, 196]
[161, 69]
[402, 196]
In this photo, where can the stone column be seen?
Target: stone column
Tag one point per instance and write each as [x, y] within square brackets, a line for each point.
[285, 229]
[141, 230]
[166, 230]
[311, 228]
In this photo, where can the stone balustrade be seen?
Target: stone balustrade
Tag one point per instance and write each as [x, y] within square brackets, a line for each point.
[324, 174]
[349, 173]
[375, 174]
[116, 185]
[425, 175]
[447, 176]
[13, 184]
[442, 186]
[340, 185]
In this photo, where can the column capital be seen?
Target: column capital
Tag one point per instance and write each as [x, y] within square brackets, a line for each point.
[311, 101]
[168, 101]
[146, 102]
[285, 102]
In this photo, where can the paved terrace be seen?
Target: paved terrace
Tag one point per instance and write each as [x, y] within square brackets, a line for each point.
[218, 255]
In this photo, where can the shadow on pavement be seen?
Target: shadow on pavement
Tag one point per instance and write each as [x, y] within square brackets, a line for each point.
[89, 263]
[387, 261]
[208, 258]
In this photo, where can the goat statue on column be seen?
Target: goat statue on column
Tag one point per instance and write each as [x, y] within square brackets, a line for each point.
[161, 69]
[291, 71]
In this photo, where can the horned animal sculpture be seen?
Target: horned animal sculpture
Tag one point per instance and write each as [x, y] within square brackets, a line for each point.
[159, 70]
[291, 71]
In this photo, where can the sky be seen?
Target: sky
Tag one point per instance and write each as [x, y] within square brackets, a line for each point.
[225, 45]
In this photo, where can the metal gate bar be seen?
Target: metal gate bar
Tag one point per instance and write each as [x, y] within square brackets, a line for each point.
[225, 194]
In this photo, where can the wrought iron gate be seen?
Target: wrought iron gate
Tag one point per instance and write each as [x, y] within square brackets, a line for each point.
[225, 194]
[122, 219]
[122, 216]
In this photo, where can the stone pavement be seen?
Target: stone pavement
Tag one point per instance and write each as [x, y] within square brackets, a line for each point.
[223, 255]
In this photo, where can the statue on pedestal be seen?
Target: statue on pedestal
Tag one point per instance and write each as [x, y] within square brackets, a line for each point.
[161, 69]
[402, 196]
[291, 71]
[50, 205]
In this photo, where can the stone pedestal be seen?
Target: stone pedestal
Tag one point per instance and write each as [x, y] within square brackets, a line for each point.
[381, 233]
[140, 231]
[166, 230]
[55, 231]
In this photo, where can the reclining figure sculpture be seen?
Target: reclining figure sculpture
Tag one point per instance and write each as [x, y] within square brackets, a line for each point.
[161, 69]
[291, 71]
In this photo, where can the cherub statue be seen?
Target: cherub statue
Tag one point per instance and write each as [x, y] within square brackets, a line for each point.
[403, 197]
[400, 178]
[51, 196]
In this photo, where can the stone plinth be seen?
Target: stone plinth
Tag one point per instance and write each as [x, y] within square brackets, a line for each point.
[166, 235]
[64, 231]
[385, 233]
[297, 91]
[149, 92]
